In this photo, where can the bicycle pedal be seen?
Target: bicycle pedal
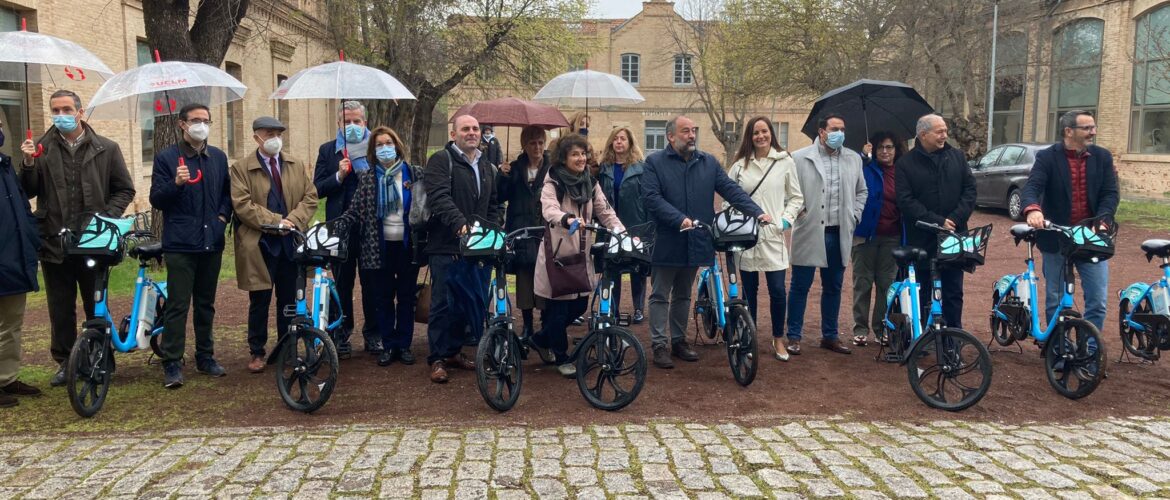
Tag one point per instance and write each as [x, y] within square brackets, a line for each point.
[290, 311]
[625, 319]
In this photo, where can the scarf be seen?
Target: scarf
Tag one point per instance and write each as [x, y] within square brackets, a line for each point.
[388, 197]
[579, 187]
[357, 152]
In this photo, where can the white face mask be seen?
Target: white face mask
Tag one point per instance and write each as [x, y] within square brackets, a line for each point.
[199, 131]
[272, 146]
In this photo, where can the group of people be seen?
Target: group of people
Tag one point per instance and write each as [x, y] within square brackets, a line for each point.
[822, 207]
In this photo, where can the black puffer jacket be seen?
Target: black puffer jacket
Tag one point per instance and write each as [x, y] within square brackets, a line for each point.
[453, 198]
[933, 187]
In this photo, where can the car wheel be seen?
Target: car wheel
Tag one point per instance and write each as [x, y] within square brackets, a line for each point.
[1015, 205]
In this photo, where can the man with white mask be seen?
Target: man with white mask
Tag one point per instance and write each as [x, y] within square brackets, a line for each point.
[190, 186]
[268, 187]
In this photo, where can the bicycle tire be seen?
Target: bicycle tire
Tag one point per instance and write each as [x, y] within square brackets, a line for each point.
[1001, 331]
[499, 371]
[306, 369]
[743, 351]
[89, 372]
[949, 355]
[1075, 348]
[604, 356]
[1137, 343]
[704, 309]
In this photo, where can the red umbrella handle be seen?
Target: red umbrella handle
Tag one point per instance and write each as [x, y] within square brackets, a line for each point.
[345, 154]
[40, 147]
[198, 173]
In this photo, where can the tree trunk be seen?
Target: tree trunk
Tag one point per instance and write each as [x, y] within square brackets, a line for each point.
[420, 129]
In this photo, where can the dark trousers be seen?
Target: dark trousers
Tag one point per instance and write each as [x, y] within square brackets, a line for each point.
[777, 301]
[390, 291]
[832, 278]
[345, 273]
[61, 284]
[637, 287]
[445, 331]
[191, 277]
[555, 321]
[283, 273]
[952, 292]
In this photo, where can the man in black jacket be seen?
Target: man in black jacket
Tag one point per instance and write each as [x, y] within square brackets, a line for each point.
[934, 184]
[18, 276]
[1071, 181]
[461, 184]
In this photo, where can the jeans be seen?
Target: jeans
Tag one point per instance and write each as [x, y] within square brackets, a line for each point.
[191, 277]
[445, 332]
[389, 291]
[283, 273]
[832, 278]
[1094, 285]
[776, 297]
[554, 321]
[873, 266]
[62, 282]
[673, 283]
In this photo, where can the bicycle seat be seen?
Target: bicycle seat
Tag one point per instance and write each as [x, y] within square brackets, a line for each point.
[148, 251]
[1023, 231]
[906, 255]
[1158, 248]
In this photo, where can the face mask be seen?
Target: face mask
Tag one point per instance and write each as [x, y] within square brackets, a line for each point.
[199, 131]
[835, 139]
[354, 133]
[387, 154]
[272, 146]
[488, 136]
[1, 137]
[65, 123]
[583, 131]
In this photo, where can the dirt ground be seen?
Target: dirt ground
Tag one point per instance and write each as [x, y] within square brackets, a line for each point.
[815, 384]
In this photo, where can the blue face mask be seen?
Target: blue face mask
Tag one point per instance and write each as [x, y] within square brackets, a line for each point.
[65, 123]
[354, 133]
[1, 137]
[835, 139]
[386, 154]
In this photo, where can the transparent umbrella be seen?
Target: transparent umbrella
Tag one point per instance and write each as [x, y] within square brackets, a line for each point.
[588, 88]
[342, 80]
[162, 88]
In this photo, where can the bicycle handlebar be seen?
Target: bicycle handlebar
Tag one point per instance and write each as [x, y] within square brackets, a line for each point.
[283, 229]
[934, 227]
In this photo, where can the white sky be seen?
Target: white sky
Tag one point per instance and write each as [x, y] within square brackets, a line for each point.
[618, 9]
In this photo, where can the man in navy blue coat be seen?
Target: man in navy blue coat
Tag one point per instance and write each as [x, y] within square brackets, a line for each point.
[18, 276]
[334, 182]
[679, 185]
[1071, 181]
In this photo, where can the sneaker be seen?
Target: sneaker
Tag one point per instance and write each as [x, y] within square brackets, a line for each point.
[579, 321]
[638, 317]
[545, 354]
[58, 379]
[209, 366]
[387, 357]
[860, 340]
[662, 357]
[18, 388]
[172, 375]
[567, 370]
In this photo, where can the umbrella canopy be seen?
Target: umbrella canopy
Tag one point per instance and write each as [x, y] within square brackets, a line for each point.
[513, 112]
[162, 88]
[870, 106]
[23, 49]
[342, 80]
[588, 88]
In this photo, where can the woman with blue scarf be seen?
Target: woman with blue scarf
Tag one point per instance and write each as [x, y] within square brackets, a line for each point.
[379, 210]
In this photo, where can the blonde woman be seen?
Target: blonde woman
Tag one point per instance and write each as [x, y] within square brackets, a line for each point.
[764, 170]
[620, 177]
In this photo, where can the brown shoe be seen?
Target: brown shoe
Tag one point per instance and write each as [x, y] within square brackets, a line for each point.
[438, 372]
[836, 346]
[460, 361]
[18, 388]
[257, 364]
[7, 401]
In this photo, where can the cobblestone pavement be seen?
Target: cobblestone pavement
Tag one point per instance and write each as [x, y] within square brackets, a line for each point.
[827, 458]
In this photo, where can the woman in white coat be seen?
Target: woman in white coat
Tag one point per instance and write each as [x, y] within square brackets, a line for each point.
[767, 173]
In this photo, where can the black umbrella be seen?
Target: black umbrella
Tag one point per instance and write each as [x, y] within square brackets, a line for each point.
[869, 106]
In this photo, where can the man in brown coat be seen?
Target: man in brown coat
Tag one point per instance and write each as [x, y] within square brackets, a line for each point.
[268, 187]
[78, 172]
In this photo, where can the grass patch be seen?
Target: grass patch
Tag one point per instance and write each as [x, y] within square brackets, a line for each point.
[1146, 214]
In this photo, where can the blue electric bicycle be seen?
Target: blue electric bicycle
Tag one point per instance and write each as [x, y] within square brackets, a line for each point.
[102, 241]
[1071, 346]
[948, 368]
[1144, 311]
[306, 356]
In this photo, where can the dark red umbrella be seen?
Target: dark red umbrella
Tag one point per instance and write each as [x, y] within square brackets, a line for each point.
[513, 112]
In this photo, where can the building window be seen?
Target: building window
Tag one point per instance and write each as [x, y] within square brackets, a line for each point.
[682, 70]
[12, 96]
[1150, 128]
[655, 135]
[631, 68]
[147, 133]
[1011, 56]
[234, 122]
[1076, 69]
[783, 135]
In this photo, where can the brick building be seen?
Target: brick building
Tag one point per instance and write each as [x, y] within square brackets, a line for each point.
[276, 39]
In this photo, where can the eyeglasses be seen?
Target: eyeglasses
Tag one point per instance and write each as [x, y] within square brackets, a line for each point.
[1087, 128]
[199, 121]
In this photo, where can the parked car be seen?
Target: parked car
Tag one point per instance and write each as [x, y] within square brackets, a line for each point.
[1001, 173]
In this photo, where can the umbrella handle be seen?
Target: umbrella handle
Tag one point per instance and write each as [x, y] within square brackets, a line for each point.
[198, 173]
[345, 154]
[40, 147]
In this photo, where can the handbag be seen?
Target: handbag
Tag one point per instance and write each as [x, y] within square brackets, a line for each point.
[422, 299]
[567, 275]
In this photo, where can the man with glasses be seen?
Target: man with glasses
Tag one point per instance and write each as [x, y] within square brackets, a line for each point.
[194, 196]
[1071, 181]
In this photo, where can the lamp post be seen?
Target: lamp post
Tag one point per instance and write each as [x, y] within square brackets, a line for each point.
[991, 82]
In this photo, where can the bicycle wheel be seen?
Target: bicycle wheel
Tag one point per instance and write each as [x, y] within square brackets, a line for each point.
[1137, 343]
[611, 368]
[306, 369]
[498, 369]
[89, 372]
[705, 319]
[949, 369]
[1001, 329]
[742, 348]
[1074, 358]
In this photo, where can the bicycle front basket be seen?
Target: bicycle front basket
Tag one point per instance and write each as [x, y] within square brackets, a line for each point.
[967, 250]
[734, 228]
[1090, 240]
[101, 237]
[635, 245]
[482, 240]
[325, 240]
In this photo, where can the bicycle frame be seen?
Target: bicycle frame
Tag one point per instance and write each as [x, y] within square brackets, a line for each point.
[912, 287]
[324, 289]
[124, 341]
[1029, 278]
[1138, 292]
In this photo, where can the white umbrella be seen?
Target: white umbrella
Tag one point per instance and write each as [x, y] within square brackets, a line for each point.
[588, 88]
[162, 88]
[341, 80]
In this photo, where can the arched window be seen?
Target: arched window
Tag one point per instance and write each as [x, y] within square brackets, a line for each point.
[1011, 63]
[631, 68]
[1150, 125]
[1076, 69]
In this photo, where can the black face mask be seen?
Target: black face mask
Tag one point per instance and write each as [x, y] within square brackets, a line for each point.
[1, 137]
[583, 131]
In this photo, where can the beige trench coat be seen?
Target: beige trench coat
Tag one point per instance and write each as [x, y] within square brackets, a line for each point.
[250, 185]
[552, 211]
[780, 195]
